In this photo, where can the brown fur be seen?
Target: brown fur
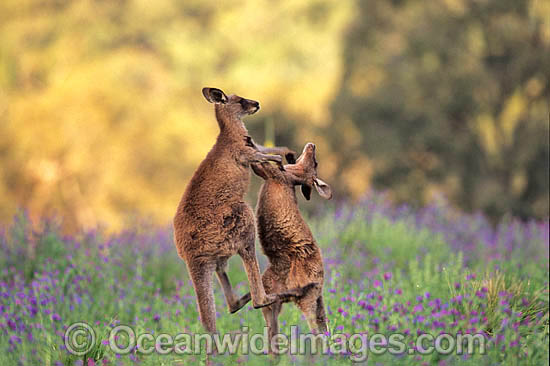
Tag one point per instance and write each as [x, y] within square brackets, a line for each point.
[212, 222]
[295, 260]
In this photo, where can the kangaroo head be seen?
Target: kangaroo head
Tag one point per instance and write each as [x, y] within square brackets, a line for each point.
[304, 173]
[230, 107]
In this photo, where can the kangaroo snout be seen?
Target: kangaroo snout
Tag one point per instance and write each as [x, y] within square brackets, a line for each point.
[250, 106]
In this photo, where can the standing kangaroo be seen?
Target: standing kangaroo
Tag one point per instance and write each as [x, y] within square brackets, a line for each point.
[213, 222]
[295, 260]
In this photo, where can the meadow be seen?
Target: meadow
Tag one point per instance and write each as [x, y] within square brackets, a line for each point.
[388, 269]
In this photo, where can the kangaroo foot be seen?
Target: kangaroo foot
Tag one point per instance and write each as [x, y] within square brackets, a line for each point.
[240, 303]
[269, 300]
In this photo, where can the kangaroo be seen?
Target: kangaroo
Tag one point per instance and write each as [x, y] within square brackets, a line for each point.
[212, 221]
[295, 260]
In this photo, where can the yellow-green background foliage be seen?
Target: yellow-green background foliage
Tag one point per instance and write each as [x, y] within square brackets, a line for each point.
[101, 114]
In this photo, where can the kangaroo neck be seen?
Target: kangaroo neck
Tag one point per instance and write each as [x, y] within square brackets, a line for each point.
[231, 127]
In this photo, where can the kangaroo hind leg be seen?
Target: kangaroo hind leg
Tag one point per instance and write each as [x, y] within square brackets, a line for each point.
[321, 316]
[233, 303]
[250, 262]
[201, 275]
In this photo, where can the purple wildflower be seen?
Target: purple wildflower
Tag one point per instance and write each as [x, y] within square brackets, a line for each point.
[14, 339]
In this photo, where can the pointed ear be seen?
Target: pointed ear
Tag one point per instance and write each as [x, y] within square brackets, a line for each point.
[322, 188]
[214, 95]
[291, 157]
[306, 191]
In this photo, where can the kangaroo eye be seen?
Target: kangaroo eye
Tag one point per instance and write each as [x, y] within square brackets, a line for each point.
[242, 102]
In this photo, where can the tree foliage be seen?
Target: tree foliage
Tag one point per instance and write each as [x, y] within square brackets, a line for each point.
[449, 96]
[101, 113]
[101, 107]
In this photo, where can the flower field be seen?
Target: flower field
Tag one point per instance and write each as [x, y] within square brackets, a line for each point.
[387, 270]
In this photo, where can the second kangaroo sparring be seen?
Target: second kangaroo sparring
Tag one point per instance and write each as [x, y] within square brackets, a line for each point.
[294, 258]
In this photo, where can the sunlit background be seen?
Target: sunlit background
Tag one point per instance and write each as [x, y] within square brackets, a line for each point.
[102, 116]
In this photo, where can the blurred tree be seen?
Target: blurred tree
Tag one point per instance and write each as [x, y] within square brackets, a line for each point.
[101, 113]
[447, 96]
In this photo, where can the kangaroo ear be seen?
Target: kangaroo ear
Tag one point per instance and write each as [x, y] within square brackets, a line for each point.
[306, 191]
[214, 95]
[291, 157]
[322, 188]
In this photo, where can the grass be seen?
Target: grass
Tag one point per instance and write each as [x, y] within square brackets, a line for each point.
[387, 269]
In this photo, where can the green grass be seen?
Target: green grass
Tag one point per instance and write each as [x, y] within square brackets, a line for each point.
[385, 272]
